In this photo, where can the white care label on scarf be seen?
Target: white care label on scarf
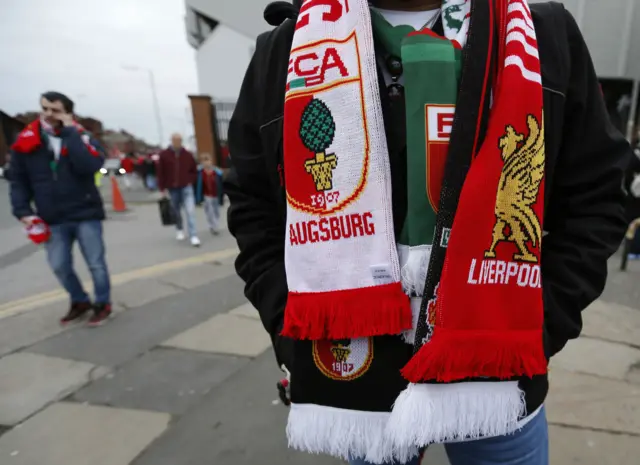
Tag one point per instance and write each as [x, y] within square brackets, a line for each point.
[381, 274]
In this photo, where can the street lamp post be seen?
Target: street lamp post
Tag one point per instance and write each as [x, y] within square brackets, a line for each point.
[154, 94]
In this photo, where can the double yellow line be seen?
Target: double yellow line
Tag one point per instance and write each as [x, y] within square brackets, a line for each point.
[18, 306]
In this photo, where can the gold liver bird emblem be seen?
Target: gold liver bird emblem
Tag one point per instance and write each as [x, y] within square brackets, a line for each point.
[520, 182]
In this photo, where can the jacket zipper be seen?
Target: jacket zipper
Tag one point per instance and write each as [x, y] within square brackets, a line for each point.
[177, 171]
[281, 174]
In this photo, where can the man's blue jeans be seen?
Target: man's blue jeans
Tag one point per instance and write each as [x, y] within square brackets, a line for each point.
[184, 197]
[60, 258]
[529, 446]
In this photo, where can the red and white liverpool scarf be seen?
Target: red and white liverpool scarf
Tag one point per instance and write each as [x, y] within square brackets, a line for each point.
[482, 315]
[32, 137]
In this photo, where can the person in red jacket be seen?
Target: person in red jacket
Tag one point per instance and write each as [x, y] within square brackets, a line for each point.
[177, 172]
[128, 166]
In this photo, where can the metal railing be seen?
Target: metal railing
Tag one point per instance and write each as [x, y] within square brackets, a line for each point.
[222, 115]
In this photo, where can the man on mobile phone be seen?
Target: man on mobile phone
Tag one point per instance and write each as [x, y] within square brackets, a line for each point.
[54, 160]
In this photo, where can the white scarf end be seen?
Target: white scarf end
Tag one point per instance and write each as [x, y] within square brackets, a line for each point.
[414, 264]
[345, 434]
[438, 413]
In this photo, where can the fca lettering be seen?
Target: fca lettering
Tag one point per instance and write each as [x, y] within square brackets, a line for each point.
[305, 66]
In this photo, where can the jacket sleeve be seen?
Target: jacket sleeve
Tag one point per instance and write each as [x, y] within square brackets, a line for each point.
[199, 186]
[82, 160]
[585, 217]
[160, 172]
[193, 169]
[21, 193]
[253, 216]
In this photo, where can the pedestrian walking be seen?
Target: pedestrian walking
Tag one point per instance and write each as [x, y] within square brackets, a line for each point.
[128, 165]
[54, 160]
[209, 189]
[393, 162]
[177, 173]
[150, 171]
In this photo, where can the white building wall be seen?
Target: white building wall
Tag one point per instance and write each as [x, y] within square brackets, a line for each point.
[611, 29]
[244, 16]
[223, 58]
[222, 61]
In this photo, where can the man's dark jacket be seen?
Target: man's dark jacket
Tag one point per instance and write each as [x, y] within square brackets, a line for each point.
[66, 194]
[176, 169]
[585, 162]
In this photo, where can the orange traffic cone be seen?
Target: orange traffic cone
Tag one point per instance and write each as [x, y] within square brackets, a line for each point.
[116, 196]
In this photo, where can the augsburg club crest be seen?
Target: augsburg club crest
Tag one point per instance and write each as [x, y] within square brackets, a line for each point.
[518, 190]
[326, 148]
[344, 359]
[317, 130]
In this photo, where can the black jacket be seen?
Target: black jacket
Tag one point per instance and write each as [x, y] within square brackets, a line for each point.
[585, 162]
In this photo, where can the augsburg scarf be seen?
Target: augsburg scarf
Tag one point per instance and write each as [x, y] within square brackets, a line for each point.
[479, 325]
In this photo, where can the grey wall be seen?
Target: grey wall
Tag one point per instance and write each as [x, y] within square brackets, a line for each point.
[612, 31]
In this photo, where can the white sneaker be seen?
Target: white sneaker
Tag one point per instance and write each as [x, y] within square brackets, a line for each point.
[180, 236]
[195, 241]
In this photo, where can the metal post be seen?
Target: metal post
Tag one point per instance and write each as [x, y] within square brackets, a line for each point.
[580, 13]
[631, 121]
[623, 58]
[156, 106]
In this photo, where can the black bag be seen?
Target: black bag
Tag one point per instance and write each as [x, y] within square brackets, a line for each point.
[167, 215]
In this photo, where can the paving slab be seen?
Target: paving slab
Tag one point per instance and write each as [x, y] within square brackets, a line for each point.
[28, 382]
[135, 332]
[25, 329]
[575, 446]
[622, 286]
[141, 292]
[247, 311]
[224, 334]
[75, 434]
[597, 357]
[239, 423]
[592, 402]
[612, 322]
[196, 276]
[634, 374]
[164, 380]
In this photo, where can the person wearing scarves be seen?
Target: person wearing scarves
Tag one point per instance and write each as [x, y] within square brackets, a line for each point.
[425, 194]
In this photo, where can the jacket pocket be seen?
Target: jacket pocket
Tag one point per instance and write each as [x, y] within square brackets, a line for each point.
[554, 101]
[272, 142]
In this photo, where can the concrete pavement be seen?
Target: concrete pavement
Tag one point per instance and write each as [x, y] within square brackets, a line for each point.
[135, 194]
[134, 240]
[184, 374]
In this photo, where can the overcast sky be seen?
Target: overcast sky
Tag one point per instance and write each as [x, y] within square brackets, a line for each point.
[79, 47]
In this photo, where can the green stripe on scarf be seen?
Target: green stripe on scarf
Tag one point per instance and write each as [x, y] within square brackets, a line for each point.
[431, 72]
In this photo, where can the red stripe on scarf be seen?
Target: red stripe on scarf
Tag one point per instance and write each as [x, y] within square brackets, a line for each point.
[30, 139]
[489, 310]
[346, 314]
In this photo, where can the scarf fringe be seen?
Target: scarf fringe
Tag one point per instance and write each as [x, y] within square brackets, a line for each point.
[434, 413]
[453, 355]
[348, 314]
[414, 269]
[346, 434]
